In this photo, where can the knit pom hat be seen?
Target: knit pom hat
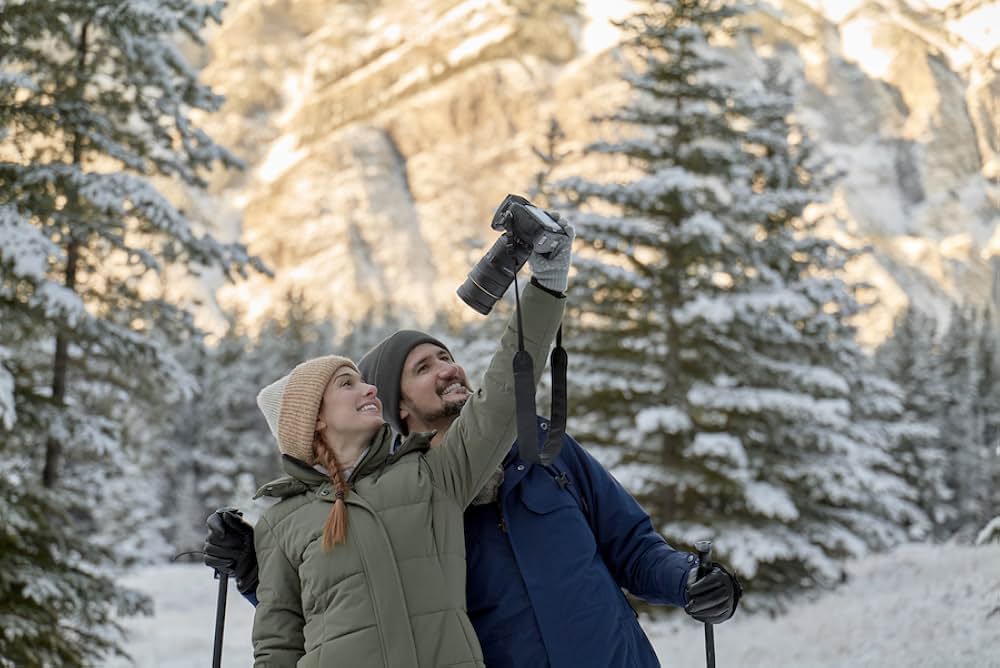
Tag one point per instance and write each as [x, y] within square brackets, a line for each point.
[382, 366]
[291, 404]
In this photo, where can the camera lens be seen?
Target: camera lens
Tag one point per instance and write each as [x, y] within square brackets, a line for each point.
[493, 274]
[495, 271]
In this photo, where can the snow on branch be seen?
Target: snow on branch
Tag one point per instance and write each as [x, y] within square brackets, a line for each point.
[990, 532]
[8, 414]
[747, 400]
[645, 193]
[120, 195]
[666, 418]
[718, 446]
[24, 249]
[770, 501]
[748, 548]
[805, 375]
[723, 309]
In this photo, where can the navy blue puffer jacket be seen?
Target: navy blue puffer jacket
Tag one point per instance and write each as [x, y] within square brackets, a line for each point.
[548, 560]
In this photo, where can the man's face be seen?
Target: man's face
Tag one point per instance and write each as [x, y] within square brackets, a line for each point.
[433, 389]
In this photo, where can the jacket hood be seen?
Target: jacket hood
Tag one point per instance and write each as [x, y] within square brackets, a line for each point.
[300, 477]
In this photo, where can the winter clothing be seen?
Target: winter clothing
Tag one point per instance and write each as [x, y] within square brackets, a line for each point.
[713, 597]
[291, 404]
[552, 269]
[488, 494]
[394, 593]
[547, 563]
[382, 366]
[229, 548]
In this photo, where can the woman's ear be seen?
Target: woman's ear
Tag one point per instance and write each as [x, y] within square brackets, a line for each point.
[320, 425]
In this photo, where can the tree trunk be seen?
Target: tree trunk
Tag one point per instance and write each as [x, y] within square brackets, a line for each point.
[53, 448]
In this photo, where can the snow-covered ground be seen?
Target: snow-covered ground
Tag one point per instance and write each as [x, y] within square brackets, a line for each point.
[920, 605]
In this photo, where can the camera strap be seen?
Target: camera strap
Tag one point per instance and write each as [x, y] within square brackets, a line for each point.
[524, 397]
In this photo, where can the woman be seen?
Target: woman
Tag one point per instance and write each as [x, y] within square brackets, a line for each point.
[362, 562]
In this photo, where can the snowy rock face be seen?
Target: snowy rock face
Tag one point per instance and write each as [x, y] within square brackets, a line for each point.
[904, 97]
[379, 136]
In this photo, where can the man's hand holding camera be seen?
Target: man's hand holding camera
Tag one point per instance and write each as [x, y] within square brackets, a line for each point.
[551, 257]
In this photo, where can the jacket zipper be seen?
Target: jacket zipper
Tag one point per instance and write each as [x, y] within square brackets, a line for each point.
[502, 524]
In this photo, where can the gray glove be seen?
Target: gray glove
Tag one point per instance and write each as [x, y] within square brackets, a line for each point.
[551, 270]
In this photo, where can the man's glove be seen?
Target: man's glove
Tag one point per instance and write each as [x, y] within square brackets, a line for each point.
[552, 269]
[714, 597]
[229, 548]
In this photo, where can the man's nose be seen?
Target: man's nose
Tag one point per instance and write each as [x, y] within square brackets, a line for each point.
[447, 369]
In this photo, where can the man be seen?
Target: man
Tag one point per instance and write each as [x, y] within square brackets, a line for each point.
[549, 548]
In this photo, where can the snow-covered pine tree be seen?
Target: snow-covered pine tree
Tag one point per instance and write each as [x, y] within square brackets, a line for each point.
[210, 440]
[989, 407]
[968, 418]
[847, 483]
[95, 102]
[911, 358]
[712, 324]
[56, 599]
[217, 448]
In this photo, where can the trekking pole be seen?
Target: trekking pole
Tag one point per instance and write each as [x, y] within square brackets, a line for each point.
[220, 619]
[704, 548]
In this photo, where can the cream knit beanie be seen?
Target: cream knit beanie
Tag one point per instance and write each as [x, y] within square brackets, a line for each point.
[291, 404]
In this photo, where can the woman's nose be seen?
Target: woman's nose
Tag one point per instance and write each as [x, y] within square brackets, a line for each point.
[370, 390]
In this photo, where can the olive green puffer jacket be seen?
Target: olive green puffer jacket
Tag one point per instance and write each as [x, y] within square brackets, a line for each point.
[393, 595]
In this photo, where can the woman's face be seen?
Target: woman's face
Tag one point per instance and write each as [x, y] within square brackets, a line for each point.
[350, 407]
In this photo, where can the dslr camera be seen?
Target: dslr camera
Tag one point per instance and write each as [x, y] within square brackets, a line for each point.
[525, 228]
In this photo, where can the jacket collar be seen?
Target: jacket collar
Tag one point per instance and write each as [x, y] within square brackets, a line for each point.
[300, 477]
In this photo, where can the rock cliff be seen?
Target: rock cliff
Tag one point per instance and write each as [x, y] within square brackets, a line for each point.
[380, 135]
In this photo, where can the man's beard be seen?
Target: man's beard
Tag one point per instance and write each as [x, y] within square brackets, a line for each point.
[449, 410]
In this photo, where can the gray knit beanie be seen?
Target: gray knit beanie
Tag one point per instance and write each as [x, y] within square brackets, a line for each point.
[291, 404]
[382, 366]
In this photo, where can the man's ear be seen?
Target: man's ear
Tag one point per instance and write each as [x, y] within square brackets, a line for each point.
[320, 425]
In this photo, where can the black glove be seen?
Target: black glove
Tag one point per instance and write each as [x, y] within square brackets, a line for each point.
[229, 548]
[713, 597]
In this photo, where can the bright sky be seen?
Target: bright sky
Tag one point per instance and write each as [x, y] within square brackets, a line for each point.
[599, 34]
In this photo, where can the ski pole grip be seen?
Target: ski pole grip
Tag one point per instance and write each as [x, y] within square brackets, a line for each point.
[704, 548]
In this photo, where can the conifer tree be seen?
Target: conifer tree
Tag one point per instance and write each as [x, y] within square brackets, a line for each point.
[217, 448]
[56, 598]
[96, 102]
[989, 409]
[713, 325]
[968, 419]
[911, 358]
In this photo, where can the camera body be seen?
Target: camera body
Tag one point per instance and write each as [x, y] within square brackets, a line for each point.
[525, 228]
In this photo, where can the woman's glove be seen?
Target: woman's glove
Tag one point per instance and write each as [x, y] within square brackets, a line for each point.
[551, 270]
[229, 548]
